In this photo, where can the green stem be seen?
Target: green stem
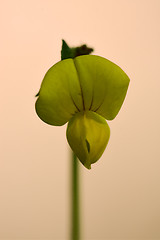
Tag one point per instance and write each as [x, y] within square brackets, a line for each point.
[75, 228]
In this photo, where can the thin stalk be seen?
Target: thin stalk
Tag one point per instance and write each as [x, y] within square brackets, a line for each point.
[75, 228]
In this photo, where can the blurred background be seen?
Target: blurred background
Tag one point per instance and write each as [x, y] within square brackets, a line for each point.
[120, 195]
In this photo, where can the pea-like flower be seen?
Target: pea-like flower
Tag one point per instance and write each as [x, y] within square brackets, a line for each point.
[84, 91]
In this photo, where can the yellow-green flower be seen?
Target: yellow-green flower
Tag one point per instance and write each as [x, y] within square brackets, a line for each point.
[83, 91]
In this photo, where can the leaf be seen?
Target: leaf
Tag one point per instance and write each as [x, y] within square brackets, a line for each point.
[66, 51]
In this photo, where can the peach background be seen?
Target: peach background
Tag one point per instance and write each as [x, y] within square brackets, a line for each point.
[120, 196]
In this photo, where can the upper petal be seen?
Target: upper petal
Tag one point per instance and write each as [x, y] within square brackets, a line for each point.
[85, 83]
[60, 94]
[103, 84]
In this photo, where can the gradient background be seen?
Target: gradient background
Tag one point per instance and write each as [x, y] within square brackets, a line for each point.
[120, 195]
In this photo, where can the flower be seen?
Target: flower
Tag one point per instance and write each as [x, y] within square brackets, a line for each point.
[85, 92]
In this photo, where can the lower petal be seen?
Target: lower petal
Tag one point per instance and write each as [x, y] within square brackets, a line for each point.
[88, 134]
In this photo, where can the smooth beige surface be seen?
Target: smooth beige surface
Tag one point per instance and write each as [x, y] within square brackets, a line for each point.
[120, 196]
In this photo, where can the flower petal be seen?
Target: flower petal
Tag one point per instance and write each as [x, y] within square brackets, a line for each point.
[85, 83]
[103, 83]
[88, 135]
[60, 94]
